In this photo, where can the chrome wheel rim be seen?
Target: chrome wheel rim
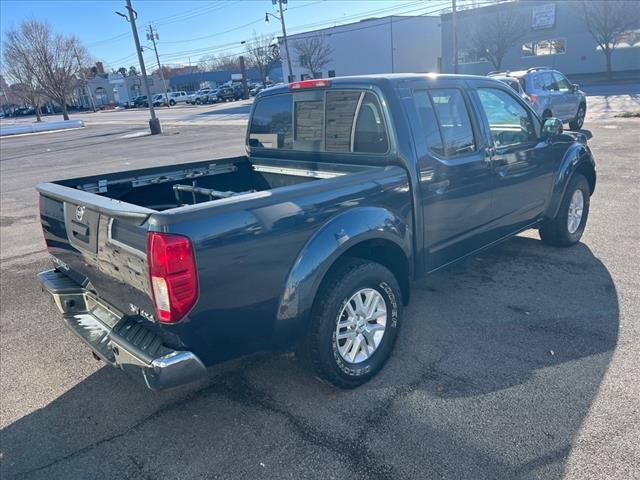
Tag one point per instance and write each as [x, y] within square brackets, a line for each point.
[576, 206]
[580, 116]
[360, 325]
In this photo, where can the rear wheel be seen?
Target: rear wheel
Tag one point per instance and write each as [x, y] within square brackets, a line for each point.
[354, 323]
[172, 102]
[578, 121]
[567, 227]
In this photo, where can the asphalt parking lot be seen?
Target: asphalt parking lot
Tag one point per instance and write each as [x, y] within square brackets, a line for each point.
[523, 362]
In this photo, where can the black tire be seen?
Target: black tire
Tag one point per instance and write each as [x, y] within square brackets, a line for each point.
[578, 121]
[320, 347]
[556, 231]
[198, 101]
[547, 114]
[172, 102]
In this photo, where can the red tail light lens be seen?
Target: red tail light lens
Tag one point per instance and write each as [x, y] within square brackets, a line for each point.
[310, 84]
[172, 275]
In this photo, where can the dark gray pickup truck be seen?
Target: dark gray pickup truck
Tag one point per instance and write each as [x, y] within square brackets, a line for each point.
[349, 190]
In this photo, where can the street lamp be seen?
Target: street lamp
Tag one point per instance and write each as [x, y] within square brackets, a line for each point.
[284, 32]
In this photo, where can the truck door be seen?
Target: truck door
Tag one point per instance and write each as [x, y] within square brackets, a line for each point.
[455, 178]
[521, 163]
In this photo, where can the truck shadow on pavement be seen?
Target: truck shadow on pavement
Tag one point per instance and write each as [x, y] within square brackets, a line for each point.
[496, 367]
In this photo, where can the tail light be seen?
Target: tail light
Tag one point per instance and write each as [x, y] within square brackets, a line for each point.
[172, 275]
[533, 99]
[319, 83]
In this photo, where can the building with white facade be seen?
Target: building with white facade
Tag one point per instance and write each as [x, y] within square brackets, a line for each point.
[393, 44]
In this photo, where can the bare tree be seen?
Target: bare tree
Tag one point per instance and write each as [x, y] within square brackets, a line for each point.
[496, 33]
[55, 60]
[262, 53]
[18, 60]
[216, 63]
[607, 21]
[313, 54]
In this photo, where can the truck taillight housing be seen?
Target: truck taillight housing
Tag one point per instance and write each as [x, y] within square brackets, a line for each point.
[172, 275]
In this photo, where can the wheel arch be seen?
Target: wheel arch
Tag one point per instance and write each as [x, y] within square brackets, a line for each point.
[372, 233]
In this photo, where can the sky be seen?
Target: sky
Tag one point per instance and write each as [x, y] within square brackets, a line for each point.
[189, 30]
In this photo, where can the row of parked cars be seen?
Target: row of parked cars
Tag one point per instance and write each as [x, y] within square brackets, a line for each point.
[549, 93]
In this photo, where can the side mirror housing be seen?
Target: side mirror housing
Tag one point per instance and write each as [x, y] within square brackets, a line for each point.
[551, 127]
[575, 87]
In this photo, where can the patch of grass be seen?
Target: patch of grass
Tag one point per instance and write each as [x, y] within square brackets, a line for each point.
[628, 114]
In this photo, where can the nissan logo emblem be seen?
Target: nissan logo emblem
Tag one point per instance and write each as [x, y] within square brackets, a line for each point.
[79, 213]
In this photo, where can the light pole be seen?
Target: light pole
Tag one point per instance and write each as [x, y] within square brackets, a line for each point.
[154, 122]
[284, 32]
[153, 36]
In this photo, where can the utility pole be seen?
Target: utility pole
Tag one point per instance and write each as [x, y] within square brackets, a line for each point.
[284, 32]
[154, 122]
[84, 80]
[153, 36]
[243, 71]
[454, 24]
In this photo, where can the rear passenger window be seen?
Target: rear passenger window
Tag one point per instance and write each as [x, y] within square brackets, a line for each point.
[454, 121]
[428, 121]
[370, 134]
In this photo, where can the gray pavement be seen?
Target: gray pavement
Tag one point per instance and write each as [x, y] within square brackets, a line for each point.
[522, 362]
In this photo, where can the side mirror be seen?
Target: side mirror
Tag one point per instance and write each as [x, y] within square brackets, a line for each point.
[551, 127]
[575, 87]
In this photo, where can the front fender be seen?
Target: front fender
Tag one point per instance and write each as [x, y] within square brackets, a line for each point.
[324, 248]
[577, 157]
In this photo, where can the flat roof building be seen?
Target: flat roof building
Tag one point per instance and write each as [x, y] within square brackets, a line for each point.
[552, 34]
[376, 45]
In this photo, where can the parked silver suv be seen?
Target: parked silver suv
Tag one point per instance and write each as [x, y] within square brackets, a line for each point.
[551, 94]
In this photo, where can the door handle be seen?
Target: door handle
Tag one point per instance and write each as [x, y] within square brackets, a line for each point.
[439, 187]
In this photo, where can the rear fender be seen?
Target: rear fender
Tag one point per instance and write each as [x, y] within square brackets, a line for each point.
[321, 252]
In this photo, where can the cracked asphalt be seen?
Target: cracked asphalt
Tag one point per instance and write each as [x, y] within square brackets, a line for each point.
[522, 362]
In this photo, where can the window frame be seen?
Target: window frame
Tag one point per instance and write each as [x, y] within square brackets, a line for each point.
[363, 91]
[534, 47]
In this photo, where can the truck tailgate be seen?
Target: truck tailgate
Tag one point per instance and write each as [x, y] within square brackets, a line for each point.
[100, 243]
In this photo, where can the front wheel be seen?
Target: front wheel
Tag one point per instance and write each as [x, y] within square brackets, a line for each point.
[354, 323]
[567, 227]
[172, 102]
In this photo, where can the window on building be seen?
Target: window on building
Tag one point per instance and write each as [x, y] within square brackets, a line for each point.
[454, 121]
[101, 96]
[332, 73]
[466, 55]
[630, 38]
[544, 47]
[510, 123]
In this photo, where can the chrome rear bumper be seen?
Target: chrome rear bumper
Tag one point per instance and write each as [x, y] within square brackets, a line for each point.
[119, 340]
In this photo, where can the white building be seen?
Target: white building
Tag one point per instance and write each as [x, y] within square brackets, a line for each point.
[377, 45]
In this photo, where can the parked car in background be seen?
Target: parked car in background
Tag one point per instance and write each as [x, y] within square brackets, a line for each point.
[551, 94]
[256, 89]
[199, 97]
[349, 189]
[177, 97]
[159, 100]
[513, 83]
[139, 101]
[228, 93]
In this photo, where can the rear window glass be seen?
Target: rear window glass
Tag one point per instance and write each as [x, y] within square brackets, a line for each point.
[428, 121]
[348, 121]
[454, 121]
